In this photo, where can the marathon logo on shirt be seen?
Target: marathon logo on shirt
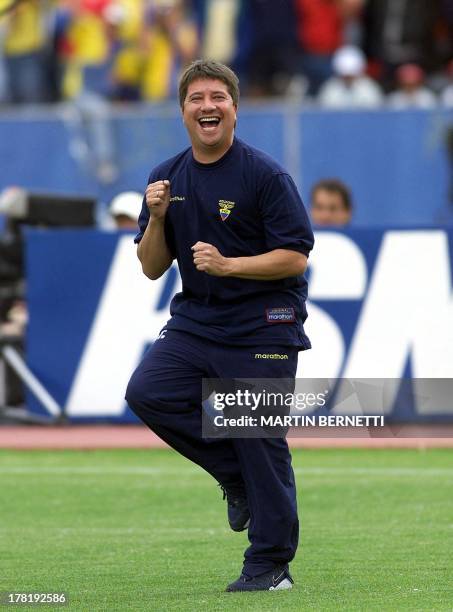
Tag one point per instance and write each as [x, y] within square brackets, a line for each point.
[280, 315]
[271, 356]
[225, 208]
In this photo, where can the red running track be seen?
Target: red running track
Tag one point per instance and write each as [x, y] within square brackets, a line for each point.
[91, 437]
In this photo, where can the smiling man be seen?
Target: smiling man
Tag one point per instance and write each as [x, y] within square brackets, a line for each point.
[234, 221]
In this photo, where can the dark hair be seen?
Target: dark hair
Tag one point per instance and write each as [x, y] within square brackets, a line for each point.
[208, 69]
[335, 186]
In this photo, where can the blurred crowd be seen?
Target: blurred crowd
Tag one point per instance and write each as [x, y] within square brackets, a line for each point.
[336, 53]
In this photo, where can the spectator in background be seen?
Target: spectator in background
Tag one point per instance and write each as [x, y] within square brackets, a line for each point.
[410, 92]
[331, 203]
[125, 209]
[128, 17]
[322, 27]
[243, 42]
[399, 32]
[171, 43]
[86, 48]
[273, 46]
[320, 33]
[350, 88]
[87, 53]
[24, 49]
[219, 34]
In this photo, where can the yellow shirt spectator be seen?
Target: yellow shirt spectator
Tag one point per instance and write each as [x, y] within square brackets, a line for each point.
[88, 40]
[131, 24]
[24, 31]
[172, 43]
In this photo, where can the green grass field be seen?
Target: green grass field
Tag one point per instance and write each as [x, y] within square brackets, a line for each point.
[146, 530]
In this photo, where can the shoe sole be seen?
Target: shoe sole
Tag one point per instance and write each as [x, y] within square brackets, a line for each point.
[284, 585]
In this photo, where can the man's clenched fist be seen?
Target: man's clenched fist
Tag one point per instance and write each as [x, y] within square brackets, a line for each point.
[158, 198]
[207, 258]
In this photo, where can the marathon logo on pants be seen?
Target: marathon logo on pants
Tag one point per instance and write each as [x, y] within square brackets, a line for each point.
[280, 315]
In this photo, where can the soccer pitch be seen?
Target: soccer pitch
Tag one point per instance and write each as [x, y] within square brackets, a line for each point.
[147, 530]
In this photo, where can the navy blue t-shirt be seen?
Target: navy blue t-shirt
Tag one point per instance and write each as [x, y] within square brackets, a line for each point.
[244, 204]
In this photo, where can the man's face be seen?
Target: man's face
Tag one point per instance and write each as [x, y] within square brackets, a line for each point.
[209, 115]
[327, 208]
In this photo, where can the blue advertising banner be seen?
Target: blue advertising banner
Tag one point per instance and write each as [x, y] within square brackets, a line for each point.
[381, 307]
[397, 163]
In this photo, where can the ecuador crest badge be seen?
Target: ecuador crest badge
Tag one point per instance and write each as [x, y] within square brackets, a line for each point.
[225, 208]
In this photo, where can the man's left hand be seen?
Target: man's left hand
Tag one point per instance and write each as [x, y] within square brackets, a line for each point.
[207, 258]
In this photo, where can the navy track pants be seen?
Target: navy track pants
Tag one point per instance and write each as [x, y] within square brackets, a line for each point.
[165, 391]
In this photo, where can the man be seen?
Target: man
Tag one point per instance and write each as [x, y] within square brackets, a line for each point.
[125, 209]
[331, 203]
[411, 91]
[350, 87]
[233, 219]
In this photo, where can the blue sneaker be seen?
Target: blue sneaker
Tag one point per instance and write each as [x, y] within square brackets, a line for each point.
[238, 507]
[278, 579]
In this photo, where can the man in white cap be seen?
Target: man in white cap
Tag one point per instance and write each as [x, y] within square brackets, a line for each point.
[125, 209]
[350, 88]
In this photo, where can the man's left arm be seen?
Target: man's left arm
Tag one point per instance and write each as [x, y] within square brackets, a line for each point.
[277, 264]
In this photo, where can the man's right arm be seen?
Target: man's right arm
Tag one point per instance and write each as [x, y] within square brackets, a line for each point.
[153, 251]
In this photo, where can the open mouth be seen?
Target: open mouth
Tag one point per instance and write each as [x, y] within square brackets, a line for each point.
[209, 123]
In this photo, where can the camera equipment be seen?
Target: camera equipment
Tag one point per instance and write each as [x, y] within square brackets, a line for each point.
[23, 208]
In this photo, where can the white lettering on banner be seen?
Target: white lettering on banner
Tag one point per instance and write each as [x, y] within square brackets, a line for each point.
[126, 319]
[326, 357]
[408, 311]
[338, 271]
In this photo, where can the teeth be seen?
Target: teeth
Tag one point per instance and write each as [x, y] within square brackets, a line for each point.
[209, 119]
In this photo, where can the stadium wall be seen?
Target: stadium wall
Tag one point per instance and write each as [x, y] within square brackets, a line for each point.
[381, 307]
[396, 162]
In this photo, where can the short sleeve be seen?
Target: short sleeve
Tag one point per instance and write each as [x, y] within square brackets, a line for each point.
[142, 220]
[286, 223]
[143, 217]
